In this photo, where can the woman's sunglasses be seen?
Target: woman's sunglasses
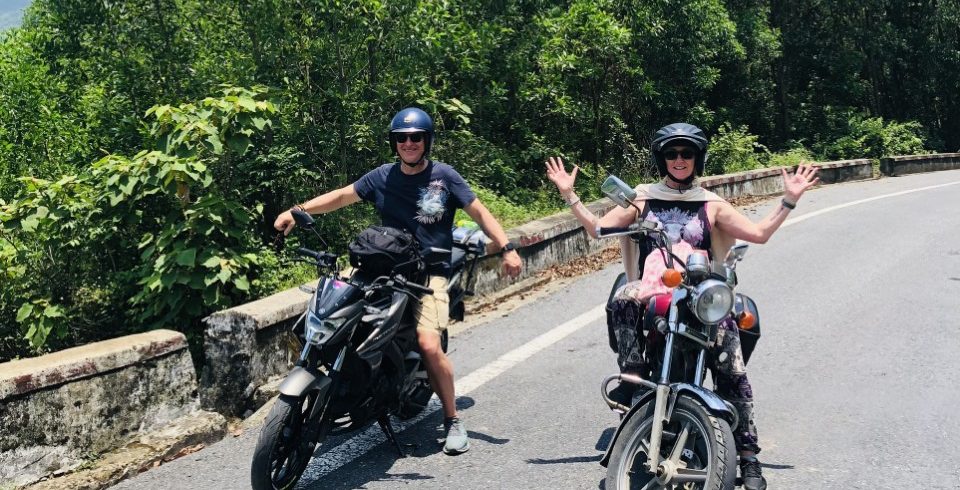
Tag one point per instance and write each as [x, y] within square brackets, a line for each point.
[403, 137]
[671, 154]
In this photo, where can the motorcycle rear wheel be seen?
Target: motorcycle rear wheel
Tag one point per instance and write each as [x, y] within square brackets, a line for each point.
[709, 449]
[282, 453]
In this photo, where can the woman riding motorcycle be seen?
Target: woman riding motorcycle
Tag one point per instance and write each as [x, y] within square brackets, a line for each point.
[694, 219]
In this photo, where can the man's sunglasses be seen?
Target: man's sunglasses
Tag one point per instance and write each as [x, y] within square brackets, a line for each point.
[686, 154]
[403, 137]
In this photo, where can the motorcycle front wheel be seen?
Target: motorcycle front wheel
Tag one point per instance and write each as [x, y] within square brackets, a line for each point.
[282, 451]
[696, 445]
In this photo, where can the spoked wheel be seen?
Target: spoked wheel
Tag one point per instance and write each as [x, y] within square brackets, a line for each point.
[282, 450]
[697, 452]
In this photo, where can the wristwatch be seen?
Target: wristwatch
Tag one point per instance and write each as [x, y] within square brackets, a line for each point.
[508, 247]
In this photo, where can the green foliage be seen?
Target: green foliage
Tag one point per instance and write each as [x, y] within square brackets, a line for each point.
[790, 157]
[735, 150]
[37, 137]
[41, 319]
[196, 252]
[510, 213]
[875, 138]
[277, 274]
[231, 120]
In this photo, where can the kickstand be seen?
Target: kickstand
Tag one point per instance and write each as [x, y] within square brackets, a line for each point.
[387, 428]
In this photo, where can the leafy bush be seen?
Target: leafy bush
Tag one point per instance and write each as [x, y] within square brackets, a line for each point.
[72, 245]
[480, 162]
[735, 150]
[510, 213]
[276, 274]
[790, 157]
[875, 138]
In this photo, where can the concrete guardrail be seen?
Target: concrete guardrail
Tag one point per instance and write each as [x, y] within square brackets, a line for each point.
[60, 409]
[911, 164]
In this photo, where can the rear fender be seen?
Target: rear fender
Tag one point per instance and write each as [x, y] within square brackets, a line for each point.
[301, 381]
[713, 403]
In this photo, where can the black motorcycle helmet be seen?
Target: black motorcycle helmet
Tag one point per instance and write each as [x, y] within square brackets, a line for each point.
[412, 120]
[672, 134]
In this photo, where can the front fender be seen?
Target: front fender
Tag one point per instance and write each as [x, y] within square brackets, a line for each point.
[711, 400]
[301, 381]
[707, 398]
[646, 398]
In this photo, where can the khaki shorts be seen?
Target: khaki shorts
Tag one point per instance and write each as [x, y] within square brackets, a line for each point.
[433, 311]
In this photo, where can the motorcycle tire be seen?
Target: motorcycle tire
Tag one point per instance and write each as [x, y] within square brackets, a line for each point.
[710, 440]
[281, 455]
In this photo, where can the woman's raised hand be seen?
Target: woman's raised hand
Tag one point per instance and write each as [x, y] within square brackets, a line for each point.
[795, 185]
[557, 174]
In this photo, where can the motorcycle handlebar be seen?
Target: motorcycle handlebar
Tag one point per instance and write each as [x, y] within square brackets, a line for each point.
[606, 231]
[322, 259]
[615, 229]
[308, 253]
[416, 287]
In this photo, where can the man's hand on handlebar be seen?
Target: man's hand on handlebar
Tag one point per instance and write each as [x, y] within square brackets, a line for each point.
[285, 222]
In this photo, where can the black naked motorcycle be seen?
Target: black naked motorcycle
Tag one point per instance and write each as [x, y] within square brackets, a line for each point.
[360, 361]
[677, 433]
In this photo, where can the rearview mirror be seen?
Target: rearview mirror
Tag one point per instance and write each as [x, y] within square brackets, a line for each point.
[735, 254]
[618, 191]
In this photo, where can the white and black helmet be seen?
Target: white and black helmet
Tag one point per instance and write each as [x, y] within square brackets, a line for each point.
[675, 133]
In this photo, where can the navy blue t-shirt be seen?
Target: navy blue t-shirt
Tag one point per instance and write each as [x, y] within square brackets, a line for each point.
[423, 204]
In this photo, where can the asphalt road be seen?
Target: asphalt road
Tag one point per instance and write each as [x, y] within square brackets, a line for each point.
[854, 377]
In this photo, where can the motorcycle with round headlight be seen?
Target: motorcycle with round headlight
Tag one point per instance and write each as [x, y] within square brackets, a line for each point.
[677, 433]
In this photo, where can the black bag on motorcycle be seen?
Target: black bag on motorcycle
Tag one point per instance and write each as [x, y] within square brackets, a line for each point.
[382, 250]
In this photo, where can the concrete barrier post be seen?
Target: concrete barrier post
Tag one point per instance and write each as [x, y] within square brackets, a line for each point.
[909, 164]
[246, 345]
[61, 409]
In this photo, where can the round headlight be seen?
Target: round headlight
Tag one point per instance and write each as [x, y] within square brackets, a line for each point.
[711, 301]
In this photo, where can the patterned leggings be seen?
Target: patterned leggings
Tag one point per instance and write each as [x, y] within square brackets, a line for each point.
[726, 360]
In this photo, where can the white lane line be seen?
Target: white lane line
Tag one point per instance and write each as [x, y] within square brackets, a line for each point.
[798, 219]
[357, 446]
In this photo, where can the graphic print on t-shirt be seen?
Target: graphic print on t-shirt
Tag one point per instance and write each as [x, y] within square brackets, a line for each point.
[432, 203]
[680, 224]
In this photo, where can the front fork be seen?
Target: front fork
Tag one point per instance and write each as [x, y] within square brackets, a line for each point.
[660, 412]
[660, 408]
[319, 409]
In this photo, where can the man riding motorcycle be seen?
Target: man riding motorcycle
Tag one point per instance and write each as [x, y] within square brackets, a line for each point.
[421, 196]
[695, 219]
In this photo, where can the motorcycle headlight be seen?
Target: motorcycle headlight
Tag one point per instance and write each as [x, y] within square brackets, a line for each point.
[318, 330]
[711, 301]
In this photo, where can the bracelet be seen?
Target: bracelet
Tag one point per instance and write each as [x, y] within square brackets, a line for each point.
[300, 207]
[787, 204]
[574, 202]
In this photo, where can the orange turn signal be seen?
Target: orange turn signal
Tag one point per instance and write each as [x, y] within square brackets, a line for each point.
[671, 278]
[746, 321]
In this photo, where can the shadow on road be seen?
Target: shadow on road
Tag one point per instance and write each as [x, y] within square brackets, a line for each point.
[605, 437]
[422, 440]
